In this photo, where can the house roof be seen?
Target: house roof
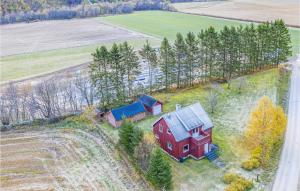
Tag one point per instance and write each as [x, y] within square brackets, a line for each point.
[128, 111]
[147, 100]
[180, 122]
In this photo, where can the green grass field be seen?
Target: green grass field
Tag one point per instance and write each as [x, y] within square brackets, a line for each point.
[33, 64]
[167, 24]
[229, 120]
[156, 23]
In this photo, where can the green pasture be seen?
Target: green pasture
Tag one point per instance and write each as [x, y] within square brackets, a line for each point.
[167, 24]
[43, 62]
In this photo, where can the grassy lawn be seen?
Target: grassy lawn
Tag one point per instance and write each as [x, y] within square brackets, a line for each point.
[167, 24]
[229, 120]
[33, 64]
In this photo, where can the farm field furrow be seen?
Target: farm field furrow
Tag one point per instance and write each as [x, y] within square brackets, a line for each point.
[62, 159]
[47, 35]
[254, 10]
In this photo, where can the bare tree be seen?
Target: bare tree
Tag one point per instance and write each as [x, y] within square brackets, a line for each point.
[242, 83]
[4, 114]
[86, 89]
[212, 99]
[46, 96]
[12, 99]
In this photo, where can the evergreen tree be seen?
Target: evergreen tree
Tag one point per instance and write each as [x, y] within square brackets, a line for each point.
[192, 56]
[118, 73]
[224, 49]
[100, 75]
[180, 56]
[125, 134]
[282, 42]
[159, 172]
[250, 48]
[149, 55]
[167, 62]
[264, 35]
[135, 139]
[130, 136]
[131, 65]
[209, 42]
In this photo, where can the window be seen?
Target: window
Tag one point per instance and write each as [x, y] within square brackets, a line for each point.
[169, 132]
[186, 148]
[170, 146]
[156, 136]
[196, 130]
[160, 128]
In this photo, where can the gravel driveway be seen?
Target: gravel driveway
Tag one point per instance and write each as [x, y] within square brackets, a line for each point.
[288, 173]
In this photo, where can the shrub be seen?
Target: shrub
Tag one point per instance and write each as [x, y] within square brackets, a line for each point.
[230, 177]
[250, 164]
[236, 182]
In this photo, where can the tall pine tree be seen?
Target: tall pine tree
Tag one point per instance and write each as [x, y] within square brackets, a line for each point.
[167, 62]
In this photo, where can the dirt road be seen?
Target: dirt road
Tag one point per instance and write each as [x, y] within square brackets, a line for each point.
[288, 173]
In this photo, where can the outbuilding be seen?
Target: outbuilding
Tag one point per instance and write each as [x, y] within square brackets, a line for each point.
[133, 112]
[152, 105]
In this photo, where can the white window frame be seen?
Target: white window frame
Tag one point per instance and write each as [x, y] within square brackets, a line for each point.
[184, 151]
[160, 128]
[169, 131]
[169, 145]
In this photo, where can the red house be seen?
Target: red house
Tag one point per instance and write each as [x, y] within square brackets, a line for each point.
[151, 105]
[185, 132]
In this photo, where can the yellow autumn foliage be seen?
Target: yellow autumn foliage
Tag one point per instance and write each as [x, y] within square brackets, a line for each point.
[265, 128]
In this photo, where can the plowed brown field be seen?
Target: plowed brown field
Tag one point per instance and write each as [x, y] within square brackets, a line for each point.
[63, 160]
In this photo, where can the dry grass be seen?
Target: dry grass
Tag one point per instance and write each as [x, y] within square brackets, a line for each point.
[47, 35]
[255, 10]
[62, 160]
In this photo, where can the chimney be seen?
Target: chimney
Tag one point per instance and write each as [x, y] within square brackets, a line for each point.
[178, 107]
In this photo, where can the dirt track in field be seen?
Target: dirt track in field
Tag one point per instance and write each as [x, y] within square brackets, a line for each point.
[62, 160]
[248, 10]
[48, 35]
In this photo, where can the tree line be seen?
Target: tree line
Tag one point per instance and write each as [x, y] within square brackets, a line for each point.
[19, 11]
[194, 58]
[208, 56]
[49, 99]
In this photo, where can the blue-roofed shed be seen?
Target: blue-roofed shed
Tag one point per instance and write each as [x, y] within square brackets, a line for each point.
[151, 104]
[133, 112]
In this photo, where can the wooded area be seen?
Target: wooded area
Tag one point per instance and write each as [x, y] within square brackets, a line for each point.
[207, 56]
[26, 11]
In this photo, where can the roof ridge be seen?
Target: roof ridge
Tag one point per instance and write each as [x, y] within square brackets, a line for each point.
[181, 121]
[193, 111]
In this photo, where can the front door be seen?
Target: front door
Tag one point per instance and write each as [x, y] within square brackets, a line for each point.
[206, 149]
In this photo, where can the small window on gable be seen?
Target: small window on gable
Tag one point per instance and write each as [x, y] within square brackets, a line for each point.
[170, 146]
[161, 128]
[186, 148]
[196, 130]
[169, 131]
